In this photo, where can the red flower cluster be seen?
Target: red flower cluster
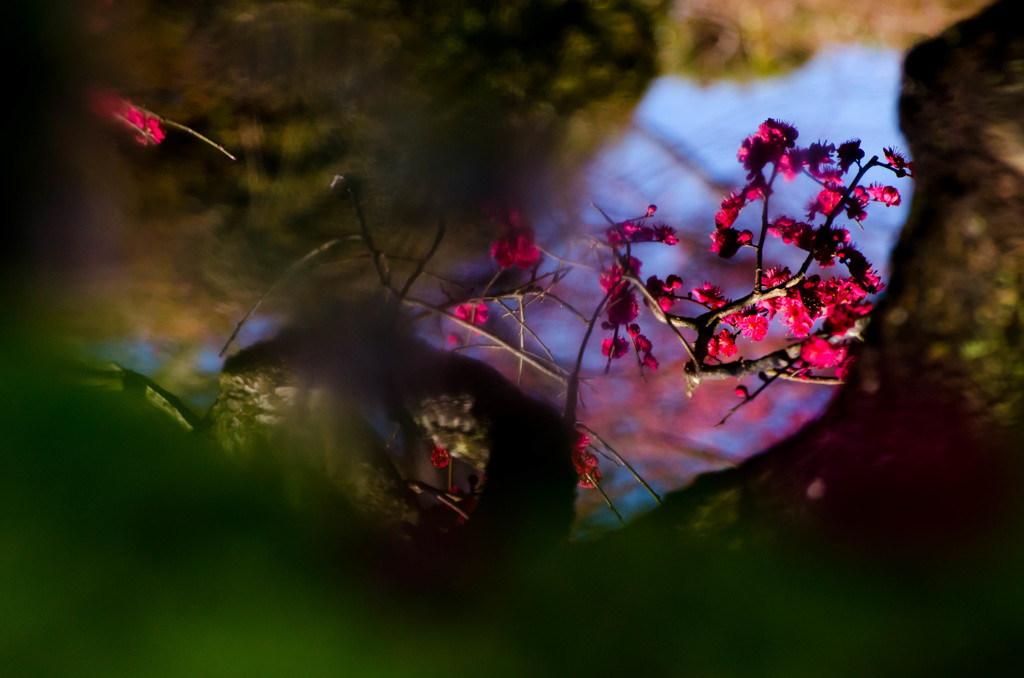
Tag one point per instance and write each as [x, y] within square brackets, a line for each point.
[439, 457]
[630, 232]
[585, 461]
[472, 313]
[622, 309]
[767, 145]
[722, 345]
[750, 322]
[517, 247]
[642, 345]
[840, 301]
[145, 125]
[664, 292]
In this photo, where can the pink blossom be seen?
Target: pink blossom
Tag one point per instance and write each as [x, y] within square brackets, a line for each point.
[722, 345]
[792, 231]
[709, 295]
[860, 269]
[144, 124]
[650, 361]
[825, 202]
[766, 146]
[472, 313]
[795, 315]
[843, 369]
[791, 164]
[439, 457]
[775, 276]
[898, 162]
[731, 206]
[726, 242]
[819, 159]
[856, 204]
[623, 307]
[848, 153]
[885, 194]
[828, 244]
[665, 234]
[516, 247]
[642, 345]
[585, 461]
[664, 292]
[820, 353]
[753, 326]
[615, 348]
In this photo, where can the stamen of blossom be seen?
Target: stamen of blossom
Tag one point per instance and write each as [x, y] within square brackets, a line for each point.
[753, 326]
[898, 162]
[709, 295]
[665, 234]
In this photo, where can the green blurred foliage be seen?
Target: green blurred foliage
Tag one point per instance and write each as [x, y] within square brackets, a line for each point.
[130, 548]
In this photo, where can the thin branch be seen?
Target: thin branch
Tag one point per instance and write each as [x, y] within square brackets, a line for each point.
[553, 371]
[820, 235]
[197, 135]
[284, 276]
[572, 392]
[567, 262]
[682, 158]
[623, 461]
[523, 326]
[661, 316]
[767, 382]
[764, 228]
[379, 259]
[811, 379]
[443, 497]
[607, 500]
[422, 263]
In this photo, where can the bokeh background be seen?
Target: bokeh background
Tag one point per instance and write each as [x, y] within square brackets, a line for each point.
[179, 562]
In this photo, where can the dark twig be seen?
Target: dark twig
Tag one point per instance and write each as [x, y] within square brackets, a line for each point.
[284, 276]
[622, 460]
[422, 263]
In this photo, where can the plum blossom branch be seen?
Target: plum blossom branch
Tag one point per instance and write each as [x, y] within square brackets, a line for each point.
[552, 370]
